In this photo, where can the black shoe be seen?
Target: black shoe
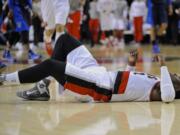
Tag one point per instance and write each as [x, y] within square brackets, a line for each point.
[40, 92]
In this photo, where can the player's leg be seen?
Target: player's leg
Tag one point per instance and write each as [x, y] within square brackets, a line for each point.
[49, 24]
[69, 49]
[61, 12]
[78, 81]
[36, 73]
[48, 33]
[66, 49]
[64, 45]
[156, 22]
[163, 21]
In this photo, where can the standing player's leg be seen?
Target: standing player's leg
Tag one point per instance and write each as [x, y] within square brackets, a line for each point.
[49, 24]
[160, 25]
[156, 22]
[61, 12]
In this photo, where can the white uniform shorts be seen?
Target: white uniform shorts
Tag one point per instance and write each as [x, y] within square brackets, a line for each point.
[80, 63]
[54, 12]
[118, 24]
[106, 22]
[85, 72]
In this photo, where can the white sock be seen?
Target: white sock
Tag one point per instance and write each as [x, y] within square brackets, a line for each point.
[58, 34]
[12, 78]
[167, 88]
[130, 68]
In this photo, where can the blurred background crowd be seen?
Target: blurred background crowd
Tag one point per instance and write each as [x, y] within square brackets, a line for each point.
[111, 23]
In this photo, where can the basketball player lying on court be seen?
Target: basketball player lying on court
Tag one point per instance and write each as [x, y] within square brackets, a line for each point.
[73, 66]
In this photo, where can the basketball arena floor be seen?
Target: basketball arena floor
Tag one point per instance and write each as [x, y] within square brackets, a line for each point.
[62, 115]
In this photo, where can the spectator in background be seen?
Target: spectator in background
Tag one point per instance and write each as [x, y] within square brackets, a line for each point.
[74, 18]
[120, 19]
[138, 13]
[21, 12]
[106, 9]
[94, 25]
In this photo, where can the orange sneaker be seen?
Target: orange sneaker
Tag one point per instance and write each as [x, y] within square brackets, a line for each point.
[49, 48]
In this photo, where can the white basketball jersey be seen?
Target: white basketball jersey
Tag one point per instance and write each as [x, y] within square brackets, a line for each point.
[138, 87]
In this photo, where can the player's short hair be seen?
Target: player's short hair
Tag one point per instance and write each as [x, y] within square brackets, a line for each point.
[176, 81]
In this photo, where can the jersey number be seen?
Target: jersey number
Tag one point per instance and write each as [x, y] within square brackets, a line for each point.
[148, 75]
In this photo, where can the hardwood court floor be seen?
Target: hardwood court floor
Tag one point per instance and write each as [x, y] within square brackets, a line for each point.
[65, 116]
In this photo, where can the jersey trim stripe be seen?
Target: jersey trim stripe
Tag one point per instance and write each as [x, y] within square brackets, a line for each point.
[121, 82]
[87, 88]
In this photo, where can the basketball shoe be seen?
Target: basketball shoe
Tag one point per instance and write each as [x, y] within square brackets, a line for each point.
[155, 48]
[7, 55]
[33, 56]
[39, 92]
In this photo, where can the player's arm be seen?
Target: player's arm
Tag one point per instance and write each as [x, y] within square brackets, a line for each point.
[166, 85]
[133, 56]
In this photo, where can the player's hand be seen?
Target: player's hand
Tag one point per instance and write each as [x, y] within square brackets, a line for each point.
[160, 59]
[133, 57]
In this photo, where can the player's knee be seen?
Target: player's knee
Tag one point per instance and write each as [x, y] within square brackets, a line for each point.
[48, 33]
[48, 63]
[163, 27]
[60, 28]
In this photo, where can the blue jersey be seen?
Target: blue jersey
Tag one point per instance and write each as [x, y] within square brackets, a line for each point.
[20, 12]
[149, 18]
